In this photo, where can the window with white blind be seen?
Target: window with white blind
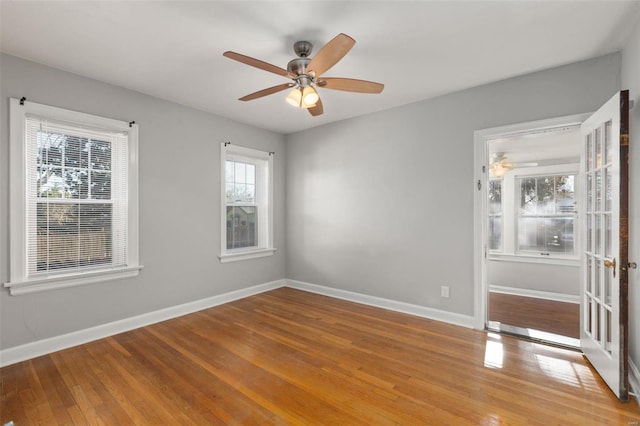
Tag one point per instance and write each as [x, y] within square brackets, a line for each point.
[247, 207]
[73, 199]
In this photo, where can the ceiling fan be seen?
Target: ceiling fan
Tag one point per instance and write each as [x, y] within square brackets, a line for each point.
[306, 74]
[500, 164]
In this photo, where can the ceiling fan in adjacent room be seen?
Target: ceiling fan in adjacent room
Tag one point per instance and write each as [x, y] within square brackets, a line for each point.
[306, 74]
[500, 164]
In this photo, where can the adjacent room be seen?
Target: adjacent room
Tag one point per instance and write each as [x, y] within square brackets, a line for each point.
[319, 212]
[534, 263]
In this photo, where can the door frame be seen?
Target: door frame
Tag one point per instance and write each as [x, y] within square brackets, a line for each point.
[480, 205]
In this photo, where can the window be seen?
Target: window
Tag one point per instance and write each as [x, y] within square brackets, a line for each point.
[546, 214]
[74, 201]
[532, 213]
[247, 218]
[495, 214]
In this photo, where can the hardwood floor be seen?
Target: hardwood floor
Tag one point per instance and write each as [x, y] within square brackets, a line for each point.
[291, 357]
[539, 314]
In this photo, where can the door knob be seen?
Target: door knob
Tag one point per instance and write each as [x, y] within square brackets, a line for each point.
[611, 264]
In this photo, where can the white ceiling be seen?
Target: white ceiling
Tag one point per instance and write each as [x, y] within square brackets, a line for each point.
[418, 49]
[547, 147]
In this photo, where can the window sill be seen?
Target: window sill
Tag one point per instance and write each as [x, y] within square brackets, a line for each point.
[547, 260]
[55, 282]
[236, 256]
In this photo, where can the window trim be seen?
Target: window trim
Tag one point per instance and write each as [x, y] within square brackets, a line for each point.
[246, 253]
[19, 281]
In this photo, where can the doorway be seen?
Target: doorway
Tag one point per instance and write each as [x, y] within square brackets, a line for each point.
[542, 223]
[531, 208]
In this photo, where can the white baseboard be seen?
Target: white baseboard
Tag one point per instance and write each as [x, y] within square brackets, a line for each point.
[393, 305]
[634, 380]
[46, 346]
[547, 295]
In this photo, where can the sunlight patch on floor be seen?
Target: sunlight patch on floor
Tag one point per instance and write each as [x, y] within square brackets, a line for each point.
[567, 372]
[494, 352]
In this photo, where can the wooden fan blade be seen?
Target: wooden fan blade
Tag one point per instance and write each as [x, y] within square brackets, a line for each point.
[350, 85]
[330, 54]
[317, 109]
[265, 92]
[258, 64]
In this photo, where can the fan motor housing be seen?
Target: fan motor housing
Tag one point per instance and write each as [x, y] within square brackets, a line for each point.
[298, 66]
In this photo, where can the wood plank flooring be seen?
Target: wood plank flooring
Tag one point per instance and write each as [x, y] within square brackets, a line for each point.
[291, 357]
[539, 314]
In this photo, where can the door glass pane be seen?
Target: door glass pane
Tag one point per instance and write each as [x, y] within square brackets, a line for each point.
[607, 331]
[590, 317]
[589, 193]
[596, 278]
[607, 287]
[598, 190]
[588, 154]
[589, 247]
[608, 194]
[589, 274]
[598, 147]
[607, 236]
[597, 237]
[598, 322]
[608, 150]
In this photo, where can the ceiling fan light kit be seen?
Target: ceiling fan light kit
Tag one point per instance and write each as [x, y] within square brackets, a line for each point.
[303, 98]
[305, 73]
[499, 169]
[501, 165]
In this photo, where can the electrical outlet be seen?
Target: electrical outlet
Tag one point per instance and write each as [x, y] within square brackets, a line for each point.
[444, 291]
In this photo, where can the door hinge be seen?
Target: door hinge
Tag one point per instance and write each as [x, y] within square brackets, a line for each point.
[485, 251]
[484, 169]
[479, 184]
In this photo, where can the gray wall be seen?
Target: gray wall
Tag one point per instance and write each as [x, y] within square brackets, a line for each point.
[562, 279]
[631, 81]
[179, 207]
[383, 204]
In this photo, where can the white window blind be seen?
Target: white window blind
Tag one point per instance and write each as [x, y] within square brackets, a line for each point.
[76, 197]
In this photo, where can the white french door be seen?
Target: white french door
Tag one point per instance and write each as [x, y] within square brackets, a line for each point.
[604, 300]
